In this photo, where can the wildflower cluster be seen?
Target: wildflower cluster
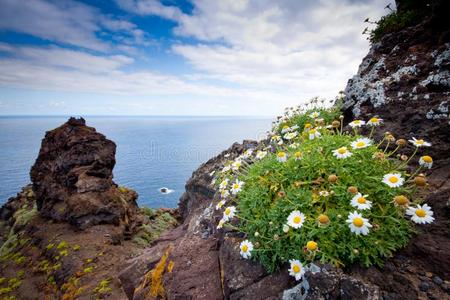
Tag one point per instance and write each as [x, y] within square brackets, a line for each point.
[319, 193]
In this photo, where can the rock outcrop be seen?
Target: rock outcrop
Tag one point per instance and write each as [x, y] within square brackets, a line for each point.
[72, 178]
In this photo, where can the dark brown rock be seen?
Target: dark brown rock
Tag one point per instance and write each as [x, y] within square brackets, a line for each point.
[72, 178]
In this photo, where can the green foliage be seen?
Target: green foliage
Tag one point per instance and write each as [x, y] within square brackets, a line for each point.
[393, 22]
[148, 211]
[103, 287]
[315, 182]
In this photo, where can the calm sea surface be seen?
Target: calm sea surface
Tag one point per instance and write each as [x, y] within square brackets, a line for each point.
[152, 152]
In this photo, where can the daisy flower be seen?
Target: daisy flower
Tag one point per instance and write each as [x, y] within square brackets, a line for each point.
[224, 184]
[342, 153]
[246, 248]
[361, 143]
[294, 127]
[281, 156]
[229, 213]
[374, 121]
[290, 135]
[419, 143]
[298, 155]
[313, 133]
[236, 165]
[422, 214]
[311, 246]
[224, 193]
[356, 123]
[237, 186]
[295, 219]
[221, 222]
[220, 204]
[426, 161]
[226, 169]
[360, 202]
[294, 145]
[247, 153]
[296, 269]
[285, 129]
[393, 180]
[314, 114]
[261, 154]
[358, 224]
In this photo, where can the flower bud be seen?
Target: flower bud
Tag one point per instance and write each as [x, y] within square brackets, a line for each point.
[401, 142]
[256, 233]
[336, 124]
[420, 180]
[332, 178]
[276, 237]
[281, 194]
[390, 138]
[285, 228]
[352, 189]
[401, 200]
[404, 157]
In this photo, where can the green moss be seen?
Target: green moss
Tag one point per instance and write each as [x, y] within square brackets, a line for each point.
[50, 246]
[5, 290]
[88, 270]
[76, 247]
[147, 211]
[24, 215]
[147, 233]
[62, 245]
[123, 189]
[14, 283]
[103, 288]
[64, 252]
[2, 280]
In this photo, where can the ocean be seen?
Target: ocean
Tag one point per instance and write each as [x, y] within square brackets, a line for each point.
[152, 152]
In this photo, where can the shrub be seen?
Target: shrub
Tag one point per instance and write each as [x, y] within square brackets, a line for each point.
[319, 193]
[393, 22]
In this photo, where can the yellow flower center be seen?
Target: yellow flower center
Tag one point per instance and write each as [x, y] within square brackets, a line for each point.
[307, 125]
[281, 154]
[374, 120]
[312, 131]
[393, 179]
[427, 159]
[401, 200]
[323, 219]
[361, 200]
[358, 222]
[227, 211]
[420, 142]
[360, 144]
[285, 127]
[421, 213]
[297, 219]
[244, 248]
[311, 246]
[296, 268]
[298, 154]
[357, 121]
[235, 186]
[342, 150]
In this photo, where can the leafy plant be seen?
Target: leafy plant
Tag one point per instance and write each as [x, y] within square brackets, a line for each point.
[319, 193]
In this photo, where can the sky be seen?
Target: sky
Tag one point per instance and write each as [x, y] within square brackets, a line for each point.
[186, 57]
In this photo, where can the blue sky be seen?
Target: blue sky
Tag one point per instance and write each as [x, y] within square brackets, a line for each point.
[191, 57]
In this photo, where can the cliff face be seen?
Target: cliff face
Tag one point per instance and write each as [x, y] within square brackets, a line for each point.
[405, 80]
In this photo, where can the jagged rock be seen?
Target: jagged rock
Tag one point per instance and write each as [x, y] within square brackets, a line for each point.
[72, 178]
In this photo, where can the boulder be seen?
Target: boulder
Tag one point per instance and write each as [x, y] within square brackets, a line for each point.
[73, 181]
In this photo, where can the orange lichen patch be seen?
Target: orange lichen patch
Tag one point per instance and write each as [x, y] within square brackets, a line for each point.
[154, 277]
[170, 266]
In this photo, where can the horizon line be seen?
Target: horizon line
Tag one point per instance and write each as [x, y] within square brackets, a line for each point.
[141, 116]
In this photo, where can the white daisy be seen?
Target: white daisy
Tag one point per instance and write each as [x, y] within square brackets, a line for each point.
[296, 219]
[324, 193]
[419, 143]
[224, 193]
[275, 138]
[356, 123]
[236, 165]
[237, 186]
[314, 114]
[296, 269]
[374, 121]
[229, 213]
[294, 145]
[285, 129]
[246, 248]
[422, 214]
[224, 184]
[361, 143]
[220, 204]
[393, 180]
[221, 222]
[247, 153]
[426, 161]
[294, 127]
[226, 169]
[281, 156]
[342, 153]
[298, 155]
[290, 135]
[261, 154]
[359, 201]
[358, 224]
[313, 133]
